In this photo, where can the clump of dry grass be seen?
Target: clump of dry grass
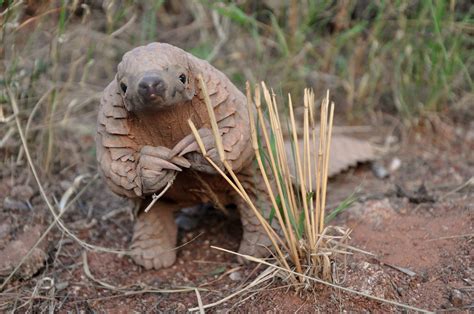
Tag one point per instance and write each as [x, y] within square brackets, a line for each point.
[301, 241]
[305, 249]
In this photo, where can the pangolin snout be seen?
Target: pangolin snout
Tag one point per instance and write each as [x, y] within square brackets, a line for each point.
[151, 86]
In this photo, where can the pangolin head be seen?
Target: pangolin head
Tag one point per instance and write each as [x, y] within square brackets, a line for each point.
[155, 77]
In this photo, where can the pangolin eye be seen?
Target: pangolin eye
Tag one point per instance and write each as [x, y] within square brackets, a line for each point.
[123, 87]
[182, 78]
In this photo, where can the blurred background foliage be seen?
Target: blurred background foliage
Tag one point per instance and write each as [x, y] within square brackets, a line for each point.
[406, 58]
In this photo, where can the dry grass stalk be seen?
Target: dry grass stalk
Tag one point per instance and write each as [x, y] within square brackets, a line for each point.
[302, 242]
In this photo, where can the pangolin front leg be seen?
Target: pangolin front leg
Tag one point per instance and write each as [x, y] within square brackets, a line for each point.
[156, 170]
[155, 236]
[189, 147]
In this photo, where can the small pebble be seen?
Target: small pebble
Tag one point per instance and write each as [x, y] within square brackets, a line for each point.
[395, 164]
[365, 265]
[235, 276]
[379, 170]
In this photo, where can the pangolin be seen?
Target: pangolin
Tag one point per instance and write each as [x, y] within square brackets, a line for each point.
[144, 141]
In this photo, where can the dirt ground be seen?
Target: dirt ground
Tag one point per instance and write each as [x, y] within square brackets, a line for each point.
[417, 224]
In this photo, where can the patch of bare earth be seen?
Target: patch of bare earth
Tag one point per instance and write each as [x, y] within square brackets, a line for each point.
[420, 234]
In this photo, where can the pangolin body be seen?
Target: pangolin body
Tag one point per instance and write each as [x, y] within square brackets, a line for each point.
[144, 141]
[143, 117]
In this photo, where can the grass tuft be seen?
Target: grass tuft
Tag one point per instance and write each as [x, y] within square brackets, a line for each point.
[296, 224]
[304, 250]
